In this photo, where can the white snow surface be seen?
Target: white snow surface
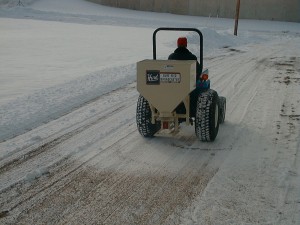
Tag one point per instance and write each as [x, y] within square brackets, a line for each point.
[41, 74]
[64, 62]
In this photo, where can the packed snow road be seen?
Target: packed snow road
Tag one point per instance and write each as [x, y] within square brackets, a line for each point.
[91, 166]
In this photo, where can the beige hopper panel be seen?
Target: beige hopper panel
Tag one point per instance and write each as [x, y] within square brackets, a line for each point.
[165, 83]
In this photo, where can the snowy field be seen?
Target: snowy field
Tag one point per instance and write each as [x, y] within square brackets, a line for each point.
[70, 152]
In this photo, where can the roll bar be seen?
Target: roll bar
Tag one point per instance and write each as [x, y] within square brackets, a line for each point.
[179, 29]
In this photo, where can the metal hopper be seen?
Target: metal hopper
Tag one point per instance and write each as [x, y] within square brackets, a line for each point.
[165, 83]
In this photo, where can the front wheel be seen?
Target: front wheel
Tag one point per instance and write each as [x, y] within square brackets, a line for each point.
[143, 119]
[207, 116]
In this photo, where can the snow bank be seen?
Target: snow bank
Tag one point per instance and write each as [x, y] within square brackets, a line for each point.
[27, 112]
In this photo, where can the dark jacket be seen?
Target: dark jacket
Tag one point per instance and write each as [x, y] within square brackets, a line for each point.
[182, 53]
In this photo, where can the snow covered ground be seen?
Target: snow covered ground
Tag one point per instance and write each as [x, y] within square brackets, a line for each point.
[42, 74]
[69, 148]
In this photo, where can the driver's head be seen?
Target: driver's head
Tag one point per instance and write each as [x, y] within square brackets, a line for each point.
[182, 42]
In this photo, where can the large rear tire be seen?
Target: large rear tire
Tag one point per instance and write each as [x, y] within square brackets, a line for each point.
[207, 116]
[143, 119]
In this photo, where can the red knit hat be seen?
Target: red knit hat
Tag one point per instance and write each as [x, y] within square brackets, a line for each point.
[182, 41]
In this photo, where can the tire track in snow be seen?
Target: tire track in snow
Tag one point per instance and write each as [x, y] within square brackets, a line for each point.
[119, 177]
[57, 132]
[125, 186]
[164, 200]
[43, 197]
[129, 180]
[48, 145]
[257, 182]
[287, 128]
[61, 159]
[63, 178]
